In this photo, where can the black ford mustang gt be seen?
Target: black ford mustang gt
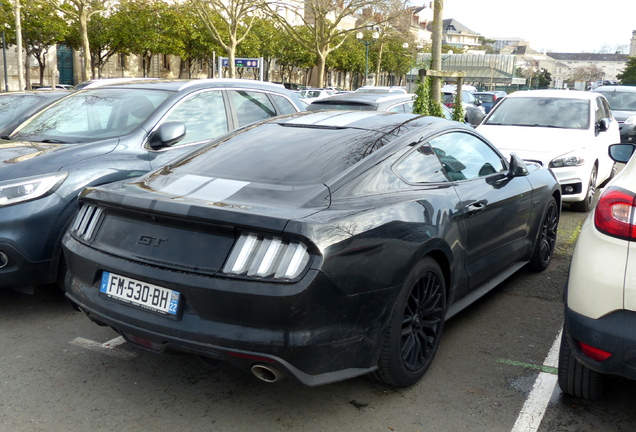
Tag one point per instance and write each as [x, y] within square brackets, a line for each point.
[320, 245]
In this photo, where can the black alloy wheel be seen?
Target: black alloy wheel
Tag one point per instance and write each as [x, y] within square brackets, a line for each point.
[414, 331]
[586, 204]
[544, 249]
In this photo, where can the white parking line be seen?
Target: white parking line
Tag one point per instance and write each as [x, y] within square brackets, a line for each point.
[108, 348]
[534, 409]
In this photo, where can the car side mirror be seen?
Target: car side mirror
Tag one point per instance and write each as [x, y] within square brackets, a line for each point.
[167, 134]
[621, 152]
[517, 167]
[603, 125]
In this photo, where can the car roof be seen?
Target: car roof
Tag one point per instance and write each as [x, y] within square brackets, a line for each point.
[47, 94]
[560, 94]
[367, 120]
[367, 97]
[613, 88]
[182, 84]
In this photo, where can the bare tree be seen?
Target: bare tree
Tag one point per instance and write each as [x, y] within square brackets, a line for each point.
[325, 19]
[80, 12]
[588, 73]
[228, 22]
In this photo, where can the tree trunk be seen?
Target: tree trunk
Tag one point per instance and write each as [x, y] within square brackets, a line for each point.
[436, 49]
[27, 73]
[322, 61]
[86, 66]
[18, 38]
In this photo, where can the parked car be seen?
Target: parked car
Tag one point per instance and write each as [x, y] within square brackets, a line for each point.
[103, 134]
[473, 112]
[489, 99]
[54, 87]
[16, 107]
[381, 89]
[451, 88]
[392, 102]
[600, 301]
[321, 245]
[567, 131]
[310, 95]
[622, 101]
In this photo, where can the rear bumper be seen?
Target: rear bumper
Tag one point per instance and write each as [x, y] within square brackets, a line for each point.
[309, 330]
[614, 333]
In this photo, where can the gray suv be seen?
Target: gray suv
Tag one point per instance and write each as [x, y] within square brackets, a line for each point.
[622, 100]
[104, 134]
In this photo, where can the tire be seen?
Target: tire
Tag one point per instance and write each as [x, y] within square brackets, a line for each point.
[586, 204]
[544, 248]
[576, 379]
[412, 337]
[62, 270]
[613, 173]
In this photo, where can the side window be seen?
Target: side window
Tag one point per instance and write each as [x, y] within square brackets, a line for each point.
[606, 108]
[421, 166]
[251, 106]
[396, 108]
[466, 157]
[204, 116]
[283, 104]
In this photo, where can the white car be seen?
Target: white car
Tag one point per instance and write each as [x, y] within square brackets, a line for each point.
[599, 336]
[567, 131]
[310, 95]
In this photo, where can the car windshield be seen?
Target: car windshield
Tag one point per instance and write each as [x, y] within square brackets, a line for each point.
[283, 155]
[621, 101]
[91, 115]
[12, 106]
[542, 112]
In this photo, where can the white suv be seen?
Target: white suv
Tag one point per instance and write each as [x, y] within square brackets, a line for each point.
[599, 336]
[567, 131]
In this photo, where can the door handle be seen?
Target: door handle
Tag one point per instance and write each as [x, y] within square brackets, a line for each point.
[475, 208]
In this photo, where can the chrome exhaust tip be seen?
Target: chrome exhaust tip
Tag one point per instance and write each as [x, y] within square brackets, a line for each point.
[267, 373]
[4, 260]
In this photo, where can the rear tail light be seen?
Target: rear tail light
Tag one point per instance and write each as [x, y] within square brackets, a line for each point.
[614, 214]
[263, 256]
[594, 353]
[86, 222]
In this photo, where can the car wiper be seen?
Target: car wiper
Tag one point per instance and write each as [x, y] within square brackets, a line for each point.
[5, 137]
[53, 141]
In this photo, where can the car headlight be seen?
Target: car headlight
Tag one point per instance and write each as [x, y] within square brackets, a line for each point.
[567, 160]
[631, 120]
[268, 257]
[29, 188]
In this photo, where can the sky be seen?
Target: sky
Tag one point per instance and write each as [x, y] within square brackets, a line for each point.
[555, 25]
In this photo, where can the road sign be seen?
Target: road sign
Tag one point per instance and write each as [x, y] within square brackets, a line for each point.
[241, 62]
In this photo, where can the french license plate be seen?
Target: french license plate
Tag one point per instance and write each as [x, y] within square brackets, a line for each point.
[142, 294]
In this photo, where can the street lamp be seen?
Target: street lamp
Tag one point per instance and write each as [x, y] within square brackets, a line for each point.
[375, 35]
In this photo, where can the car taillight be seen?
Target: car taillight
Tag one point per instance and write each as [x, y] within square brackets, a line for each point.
[614, 214]
[594, 353]
[263, 256]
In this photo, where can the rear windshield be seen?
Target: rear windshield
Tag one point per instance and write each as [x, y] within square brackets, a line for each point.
[285, 155]
[542, 112]
[90, 115]
[487, 98]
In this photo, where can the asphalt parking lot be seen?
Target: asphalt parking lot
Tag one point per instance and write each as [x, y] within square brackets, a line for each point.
[60, 372]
